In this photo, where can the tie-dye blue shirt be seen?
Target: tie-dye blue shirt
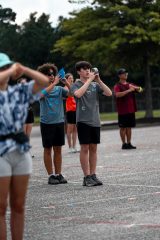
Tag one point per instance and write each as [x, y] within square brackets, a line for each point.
[14, 104]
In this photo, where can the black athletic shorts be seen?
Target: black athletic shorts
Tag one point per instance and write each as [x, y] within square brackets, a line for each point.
[30, 116]
[88, 134]
[52, 134]
[127, 120]
[71, 117]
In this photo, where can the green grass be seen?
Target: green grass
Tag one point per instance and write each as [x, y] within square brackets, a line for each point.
[113, 116]
[139, 114]
[36, 120]
[108, 116]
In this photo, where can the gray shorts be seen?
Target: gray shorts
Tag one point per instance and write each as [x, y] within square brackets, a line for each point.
[15, 163]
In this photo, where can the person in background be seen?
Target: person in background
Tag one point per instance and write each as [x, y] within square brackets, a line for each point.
[86, 90]
[29, 121]
[30, 117]
[52, 123]
[126, 107]
[71, 118]
[15, 160]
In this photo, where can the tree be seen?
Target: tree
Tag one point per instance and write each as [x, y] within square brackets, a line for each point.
[113, 33]
[36, 40]
[59, 33]
[8, 31]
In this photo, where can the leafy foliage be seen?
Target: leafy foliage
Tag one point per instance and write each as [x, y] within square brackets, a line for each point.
[31, 43]
[114, 32]
[36, 39]
[109, 34]
[8, 32]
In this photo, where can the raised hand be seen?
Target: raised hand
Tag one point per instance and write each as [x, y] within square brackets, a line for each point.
[56, 80]
[92, 76]
[132, 88]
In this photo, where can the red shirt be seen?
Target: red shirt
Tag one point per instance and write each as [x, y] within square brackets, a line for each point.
[127, 103]
[70, 104]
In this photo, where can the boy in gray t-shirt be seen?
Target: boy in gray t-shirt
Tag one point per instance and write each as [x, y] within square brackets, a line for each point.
[86, 93]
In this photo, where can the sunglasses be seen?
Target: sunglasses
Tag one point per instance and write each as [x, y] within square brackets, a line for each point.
[50, 74]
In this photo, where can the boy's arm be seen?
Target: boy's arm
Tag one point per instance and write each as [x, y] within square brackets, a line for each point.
[106, 90]
[81, 91]
[17, 70]
[137, 88]
[122, 94]
[67, 86]
[4, 75]
[47, 90]
[13, 72]
[40, 80]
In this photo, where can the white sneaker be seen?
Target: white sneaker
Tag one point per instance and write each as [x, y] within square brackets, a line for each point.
[71, 150]
[75, 150]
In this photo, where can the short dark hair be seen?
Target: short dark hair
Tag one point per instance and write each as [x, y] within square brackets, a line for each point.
[46, 67]
[82, 64]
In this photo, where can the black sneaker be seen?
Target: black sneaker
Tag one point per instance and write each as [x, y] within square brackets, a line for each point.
[53, 180]
[94, 177]
[88, 181]
[61, 179]
[125, 146]
[130, 146]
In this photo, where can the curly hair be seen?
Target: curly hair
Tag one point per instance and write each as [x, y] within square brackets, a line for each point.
[46, 67]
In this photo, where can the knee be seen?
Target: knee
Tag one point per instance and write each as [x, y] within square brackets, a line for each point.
[47, 151]
[93, 148]
[17, 207]
[69, 131]
[85, 148]
[57, 150]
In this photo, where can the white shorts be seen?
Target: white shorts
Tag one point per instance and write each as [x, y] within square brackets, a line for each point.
[15, 163]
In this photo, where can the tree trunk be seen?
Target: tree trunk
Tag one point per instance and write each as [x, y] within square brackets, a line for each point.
[148, 89]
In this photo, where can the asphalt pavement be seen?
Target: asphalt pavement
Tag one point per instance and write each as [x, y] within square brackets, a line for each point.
[126, 207]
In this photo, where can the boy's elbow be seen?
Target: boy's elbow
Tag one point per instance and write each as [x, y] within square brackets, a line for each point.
[108, 94]
[77, 95]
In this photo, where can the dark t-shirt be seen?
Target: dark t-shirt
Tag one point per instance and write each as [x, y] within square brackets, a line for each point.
[127, 103]
[30, 116]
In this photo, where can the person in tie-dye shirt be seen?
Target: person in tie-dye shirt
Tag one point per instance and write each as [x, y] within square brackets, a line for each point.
[15, 160]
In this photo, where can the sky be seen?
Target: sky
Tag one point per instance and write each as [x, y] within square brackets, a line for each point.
[54, 8]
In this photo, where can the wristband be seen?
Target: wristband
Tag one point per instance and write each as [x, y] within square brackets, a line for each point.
[44, 92]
